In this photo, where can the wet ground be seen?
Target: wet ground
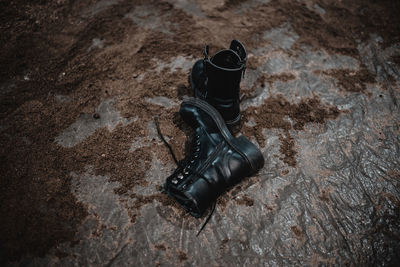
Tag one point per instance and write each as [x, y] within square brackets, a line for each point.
[82, 164]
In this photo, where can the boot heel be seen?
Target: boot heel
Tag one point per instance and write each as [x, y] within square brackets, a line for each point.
[252, 154]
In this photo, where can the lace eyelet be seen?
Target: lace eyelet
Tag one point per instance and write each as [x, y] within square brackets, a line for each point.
[186, 172]
[180, 176]
[174, 181]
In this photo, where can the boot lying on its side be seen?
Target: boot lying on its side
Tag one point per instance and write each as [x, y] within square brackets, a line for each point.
[217, 80]
[218, 160]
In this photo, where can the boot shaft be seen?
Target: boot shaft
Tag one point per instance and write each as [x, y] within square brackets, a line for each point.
[224, 73]
[217, 80]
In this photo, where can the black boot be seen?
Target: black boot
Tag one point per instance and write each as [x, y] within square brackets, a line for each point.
[218, 160]
[217, 80]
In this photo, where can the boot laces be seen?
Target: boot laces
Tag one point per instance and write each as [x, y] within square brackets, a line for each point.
[184, 168]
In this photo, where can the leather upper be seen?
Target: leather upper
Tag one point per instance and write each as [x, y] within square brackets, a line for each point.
[212, 167]
[217, 80]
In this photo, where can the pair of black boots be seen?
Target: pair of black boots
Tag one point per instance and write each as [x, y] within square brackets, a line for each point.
[218, 160]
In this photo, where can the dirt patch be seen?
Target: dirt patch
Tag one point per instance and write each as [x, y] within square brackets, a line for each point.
[351, 81]
[232, 193]
[284, 172]
[277, 112]
[161, 247]
[244, 200]
[108, 152]
[287, 149]
[139, 201]
[182, 256]
[324, 195]
[39, 210]
[224, 242]
[270, 79]
[338, 25]
[47, 51]
[394, 174]
[296, 230]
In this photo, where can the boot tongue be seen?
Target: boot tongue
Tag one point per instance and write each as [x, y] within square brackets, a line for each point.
[227, 59]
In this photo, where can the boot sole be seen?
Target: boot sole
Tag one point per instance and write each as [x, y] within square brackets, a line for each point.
[234, 124]
[241, 144]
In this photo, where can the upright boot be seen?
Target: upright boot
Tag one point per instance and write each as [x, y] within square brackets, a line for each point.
[217, 162]
[217, 80]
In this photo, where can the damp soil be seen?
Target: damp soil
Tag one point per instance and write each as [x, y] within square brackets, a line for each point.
[351, 81]
[245, 200]
[47, 51]
[277, 112]
[270, 79]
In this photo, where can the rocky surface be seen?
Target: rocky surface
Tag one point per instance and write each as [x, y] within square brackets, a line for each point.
[82, 164]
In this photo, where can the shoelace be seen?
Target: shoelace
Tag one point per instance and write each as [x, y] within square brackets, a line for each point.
[182, 165]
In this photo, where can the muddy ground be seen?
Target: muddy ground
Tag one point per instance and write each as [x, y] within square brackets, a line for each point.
[82, 165]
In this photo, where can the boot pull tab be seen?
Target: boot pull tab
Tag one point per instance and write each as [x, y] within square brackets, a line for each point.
[238, 47]
[205, 53]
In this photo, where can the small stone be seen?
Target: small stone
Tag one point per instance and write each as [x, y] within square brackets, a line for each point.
[103, 155]
[96, 116]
